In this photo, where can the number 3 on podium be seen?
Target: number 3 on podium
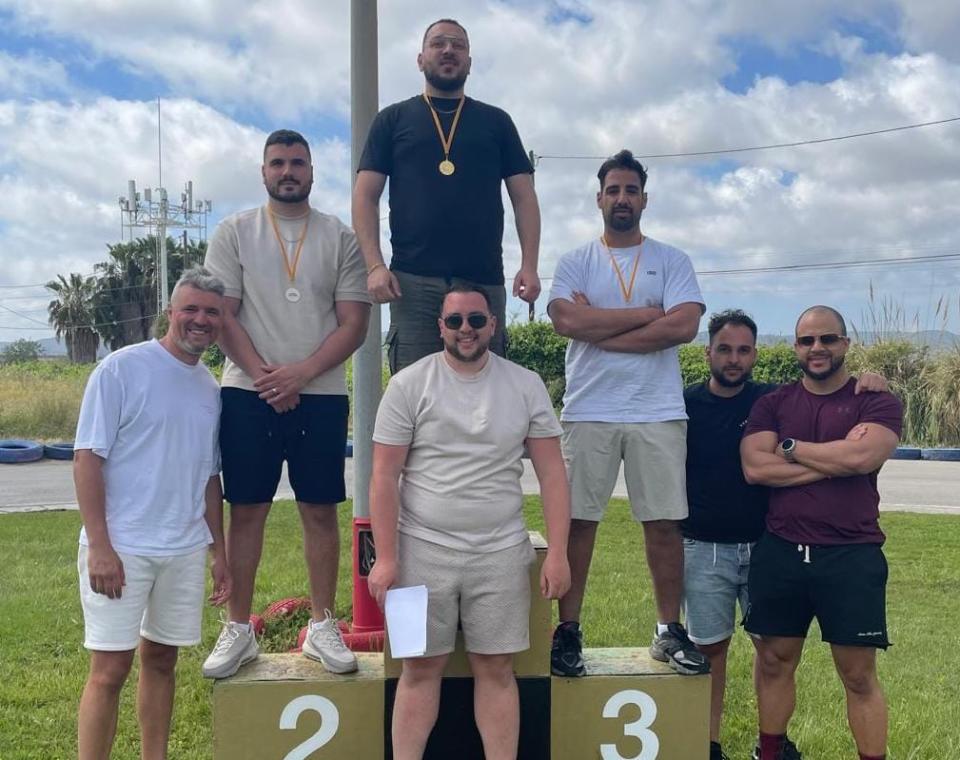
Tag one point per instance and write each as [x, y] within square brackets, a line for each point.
[640, 728]
[329, 723]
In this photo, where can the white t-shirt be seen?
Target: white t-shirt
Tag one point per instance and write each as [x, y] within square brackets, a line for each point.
[154, 420]
[245, 254]
[461, 482]
[610, 386]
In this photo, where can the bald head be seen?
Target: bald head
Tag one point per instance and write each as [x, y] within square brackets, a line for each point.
[827, 311]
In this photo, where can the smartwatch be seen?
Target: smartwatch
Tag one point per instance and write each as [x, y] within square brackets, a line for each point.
[788, 445]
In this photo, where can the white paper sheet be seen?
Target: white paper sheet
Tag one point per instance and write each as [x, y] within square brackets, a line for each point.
[406, 611]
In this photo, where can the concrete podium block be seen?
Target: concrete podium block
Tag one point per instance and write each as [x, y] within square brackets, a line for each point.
[286, 707]
[629, 707]
[533, 662]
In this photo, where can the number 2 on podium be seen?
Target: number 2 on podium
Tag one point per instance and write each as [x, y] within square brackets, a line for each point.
[640, 728]
[329, 723]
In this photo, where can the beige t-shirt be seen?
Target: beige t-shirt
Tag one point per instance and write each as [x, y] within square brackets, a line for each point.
[460, 486]
[245, 254]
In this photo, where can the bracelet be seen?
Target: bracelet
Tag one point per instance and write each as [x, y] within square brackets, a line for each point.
[376, 266]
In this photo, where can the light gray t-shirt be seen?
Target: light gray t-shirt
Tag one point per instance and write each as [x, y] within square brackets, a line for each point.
[245, 254]
[154, 420]
[460, 486]
[611, 386]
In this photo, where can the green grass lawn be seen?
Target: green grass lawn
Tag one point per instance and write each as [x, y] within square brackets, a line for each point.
[43, 664]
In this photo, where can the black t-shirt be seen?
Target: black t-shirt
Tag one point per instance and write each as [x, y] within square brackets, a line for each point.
[723, 506]
[446, 226]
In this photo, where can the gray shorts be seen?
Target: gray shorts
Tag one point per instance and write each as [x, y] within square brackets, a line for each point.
[654, 456]
[487, 594]
[414, 332]
[714, 580]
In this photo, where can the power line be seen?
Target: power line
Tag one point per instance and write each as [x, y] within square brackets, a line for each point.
[772, 146]
[834, 264]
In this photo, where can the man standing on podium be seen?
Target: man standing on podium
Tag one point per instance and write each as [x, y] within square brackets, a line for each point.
[447, 512]
[447, 157]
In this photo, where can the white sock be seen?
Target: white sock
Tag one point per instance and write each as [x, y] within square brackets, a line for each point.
[245, 627]
[661, 628]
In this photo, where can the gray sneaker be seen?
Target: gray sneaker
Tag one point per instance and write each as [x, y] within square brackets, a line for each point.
[681, 654]
[234, 647]
[324, 643]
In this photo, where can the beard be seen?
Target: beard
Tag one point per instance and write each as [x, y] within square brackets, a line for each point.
[622, 223]
[453, 349]
[445, 84]
[836, 362]
[724, 382]
[302, 193]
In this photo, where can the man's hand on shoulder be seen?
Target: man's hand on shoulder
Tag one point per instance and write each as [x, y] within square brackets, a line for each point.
[383, 575]
[555, 575]
[526, 285]
[105, 570]
[871, 382]
[383, 285]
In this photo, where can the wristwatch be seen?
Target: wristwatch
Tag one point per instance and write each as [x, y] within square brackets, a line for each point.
[788, 445]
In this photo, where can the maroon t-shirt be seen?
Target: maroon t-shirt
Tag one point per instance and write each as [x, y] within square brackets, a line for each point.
[836, 510]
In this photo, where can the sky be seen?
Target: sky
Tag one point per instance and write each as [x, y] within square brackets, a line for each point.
[79, 83]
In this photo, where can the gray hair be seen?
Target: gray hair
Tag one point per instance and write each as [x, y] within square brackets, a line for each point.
[200, 278]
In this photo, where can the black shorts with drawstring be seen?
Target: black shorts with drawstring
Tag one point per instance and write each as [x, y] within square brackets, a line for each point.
[842, 586]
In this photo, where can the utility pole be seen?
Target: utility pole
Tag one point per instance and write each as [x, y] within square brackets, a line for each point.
[157, 216]
[367, 629]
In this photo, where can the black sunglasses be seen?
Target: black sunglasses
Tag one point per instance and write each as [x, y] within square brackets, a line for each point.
[475, 319]
[825, 340]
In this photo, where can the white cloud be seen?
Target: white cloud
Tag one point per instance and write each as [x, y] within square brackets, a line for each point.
[644, 76]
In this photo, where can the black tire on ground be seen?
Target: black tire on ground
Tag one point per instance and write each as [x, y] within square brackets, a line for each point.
[941, 455]
[906, 452]
[16, 451]
[60, 450]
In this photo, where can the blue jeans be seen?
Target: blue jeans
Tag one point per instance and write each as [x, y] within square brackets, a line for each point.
[714, 580]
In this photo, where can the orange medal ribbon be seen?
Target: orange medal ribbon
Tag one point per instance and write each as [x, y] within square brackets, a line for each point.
[446, 166]
[626, 290]
[291, 268]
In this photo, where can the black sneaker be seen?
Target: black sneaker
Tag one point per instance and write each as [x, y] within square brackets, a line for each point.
[788, 751]
[716, 753]
[566, 653]
[676, 649]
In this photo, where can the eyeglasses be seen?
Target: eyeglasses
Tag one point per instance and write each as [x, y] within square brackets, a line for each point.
[476, 320]
[440, 42]
[825, 340]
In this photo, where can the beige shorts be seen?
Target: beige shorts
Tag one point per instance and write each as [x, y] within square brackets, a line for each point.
[487, 594]
[654, 456]
[162, 601]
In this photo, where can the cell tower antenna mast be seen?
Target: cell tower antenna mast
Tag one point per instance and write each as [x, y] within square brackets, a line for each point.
[157, 214]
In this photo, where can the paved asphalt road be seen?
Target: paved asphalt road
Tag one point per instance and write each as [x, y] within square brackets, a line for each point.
[911, 486]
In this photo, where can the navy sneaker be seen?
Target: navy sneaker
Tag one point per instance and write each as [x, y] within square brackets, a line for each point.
[566, 653]
[788, 751]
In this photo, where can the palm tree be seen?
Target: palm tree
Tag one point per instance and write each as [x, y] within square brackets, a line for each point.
[72, 316]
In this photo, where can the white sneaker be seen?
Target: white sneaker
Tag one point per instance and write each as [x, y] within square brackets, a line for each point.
[324, 643]
[235, 647]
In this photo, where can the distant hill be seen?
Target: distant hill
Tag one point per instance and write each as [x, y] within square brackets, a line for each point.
[937, 340]
[53, 348]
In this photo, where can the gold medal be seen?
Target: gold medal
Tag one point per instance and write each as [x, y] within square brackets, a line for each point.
[625, 290]
[446, 166]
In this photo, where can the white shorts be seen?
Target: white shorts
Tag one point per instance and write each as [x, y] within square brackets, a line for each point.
[162, 601]
[654, 456]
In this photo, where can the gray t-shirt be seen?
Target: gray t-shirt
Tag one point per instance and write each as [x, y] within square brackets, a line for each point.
[460, 486]
[245, 254]
[612, 386]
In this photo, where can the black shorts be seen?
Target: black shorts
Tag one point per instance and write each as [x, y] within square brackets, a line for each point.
[843, 586]
[255, 440]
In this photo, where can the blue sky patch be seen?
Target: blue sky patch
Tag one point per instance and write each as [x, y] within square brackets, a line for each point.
[802, 64]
